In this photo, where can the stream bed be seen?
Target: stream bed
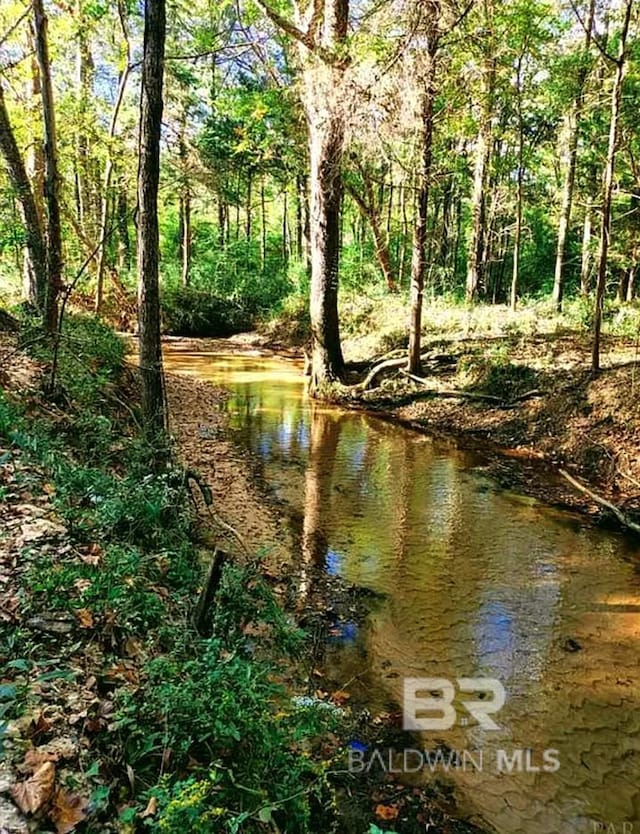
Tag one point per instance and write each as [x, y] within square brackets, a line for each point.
[468, 580]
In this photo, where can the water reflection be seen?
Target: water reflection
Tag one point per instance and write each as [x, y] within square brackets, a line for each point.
[474, 582]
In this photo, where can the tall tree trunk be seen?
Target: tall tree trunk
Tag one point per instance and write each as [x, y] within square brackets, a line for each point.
[186, 237]
[300, 198]
[108, 170]
[517, 234]
[419, 259]
[585, 266]
[34, 237]
[34, 285]
[326, 144]
[263, 226]
[124, 242]
[84, 81]
[607, 188]
[475, 264]
[248, 207]
[323, 93]
[150, 353]
[574, 120]
[52, 180]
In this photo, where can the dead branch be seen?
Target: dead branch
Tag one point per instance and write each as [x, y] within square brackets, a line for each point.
[202, 611]
[624, 520]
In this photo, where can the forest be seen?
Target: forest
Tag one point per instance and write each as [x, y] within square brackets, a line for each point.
[315, 314]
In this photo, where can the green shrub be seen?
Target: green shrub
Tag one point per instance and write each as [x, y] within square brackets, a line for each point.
[190, 312]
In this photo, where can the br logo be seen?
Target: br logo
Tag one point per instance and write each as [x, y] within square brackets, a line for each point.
[428, 702]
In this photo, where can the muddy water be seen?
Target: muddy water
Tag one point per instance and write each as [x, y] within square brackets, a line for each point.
[469, 580]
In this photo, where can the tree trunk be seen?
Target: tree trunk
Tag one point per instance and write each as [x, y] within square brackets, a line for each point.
[124, 242]
[248, 207]
[326, 143]
[52, 181]
[585, 267]
[475, 265]
[263, 226]
[607, 188]
[186, 237]
[323, 94]
[419, 259]
[150, 354]
[108, 171]
[570, 171]
[34, 238]
[300, 197]
[517, 235]
[84, 83]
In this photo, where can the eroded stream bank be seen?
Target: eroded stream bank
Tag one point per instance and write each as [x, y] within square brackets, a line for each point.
[468, 579]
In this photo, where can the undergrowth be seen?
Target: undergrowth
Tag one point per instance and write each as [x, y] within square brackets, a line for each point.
[207, 727]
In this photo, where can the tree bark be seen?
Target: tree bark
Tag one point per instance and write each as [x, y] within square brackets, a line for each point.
[477, 241]
[585, 266]
[34, 238]
[326, 144]
[419, 258]
[108, 171]
[475, 266]
[325, 109]
[517, 235]
[52, 180]
[151, 105]
[570, 171]
[607, 188]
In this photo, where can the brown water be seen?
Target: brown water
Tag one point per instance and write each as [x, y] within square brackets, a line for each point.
[473, 581]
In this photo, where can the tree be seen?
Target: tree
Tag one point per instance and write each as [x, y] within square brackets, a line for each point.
[573, 125]
[151, 104]
[109, 165]
[34, 238]
[475, 258]
[322, 37]
[419, 260]
[52, 179]
[607, 184]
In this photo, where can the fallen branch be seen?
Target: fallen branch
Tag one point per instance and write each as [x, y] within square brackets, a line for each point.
[602, 502]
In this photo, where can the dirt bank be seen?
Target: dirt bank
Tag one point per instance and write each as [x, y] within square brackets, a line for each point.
[534, 405]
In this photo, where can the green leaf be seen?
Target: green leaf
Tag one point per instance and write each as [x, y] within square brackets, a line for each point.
[21, 665]
[8, 692]
[57, 674]
[264, 814]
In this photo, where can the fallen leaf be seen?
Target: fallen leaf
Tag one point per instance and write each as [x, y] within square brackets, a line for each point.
[85, 617]
[152, 807]
[340, 696]
[93, 555]
[386, 812]
[35, 792]
[68, 810]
